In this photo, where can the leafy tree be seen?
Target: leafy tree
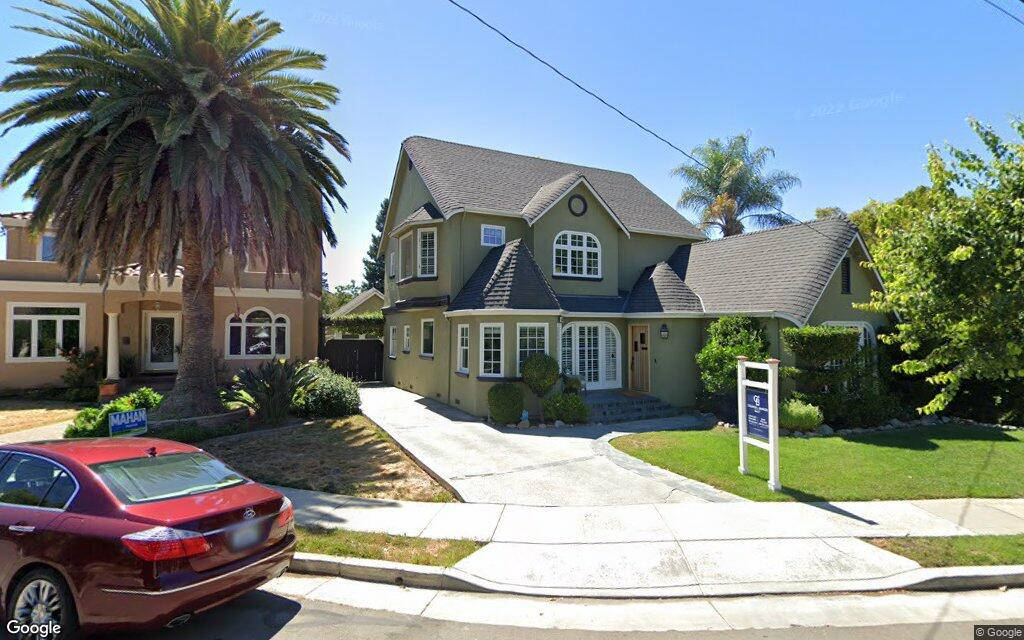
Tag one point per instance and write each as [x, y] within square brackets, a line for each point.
[827, 212]
[373, 266]
[331, 301]
[174, 125]
[733, 189]
[916, 202]
[955, 273]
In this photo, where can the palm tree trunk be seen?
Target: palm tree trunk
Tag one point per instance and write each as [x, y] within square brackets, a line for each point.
[195, 389]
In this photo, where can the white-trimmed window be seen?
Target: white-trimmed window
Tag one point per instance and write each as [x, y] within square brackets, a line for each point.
[427, 243]
[462, 357]
[427, 338]
[46, 248]
[867, 332]
[577, 254]
[532, 338]
[392, 340]
[406, 339]
[393, 264]
[492, 350]
[406, 256]
[43, 331]
[492, 235]
[258, 333]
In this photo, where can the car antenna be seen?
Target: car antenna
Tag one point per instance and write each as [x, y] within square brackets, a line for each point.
[152, 452]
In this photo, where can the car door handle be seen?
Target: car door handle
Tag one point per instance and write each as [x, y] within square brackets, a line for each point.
[21, 528]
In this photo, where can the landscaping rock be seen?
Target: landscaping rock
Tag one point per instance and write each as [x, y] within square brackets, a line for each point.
[524, 424]
[511, 425]
[785, 432]
[559, 423]
[826, 430]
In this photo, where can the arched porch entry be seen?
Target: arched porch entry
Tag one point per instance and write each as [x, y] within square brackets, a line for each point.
[590, 350]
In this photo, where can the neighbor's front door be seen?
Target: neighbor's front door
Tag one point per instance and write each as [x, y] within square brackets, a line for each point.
[162, 333]
[639, 358]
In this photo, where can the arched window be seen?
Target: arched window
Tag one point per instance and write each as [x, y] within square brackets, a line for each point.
[577, 254]
[257, 334]
[590, 351]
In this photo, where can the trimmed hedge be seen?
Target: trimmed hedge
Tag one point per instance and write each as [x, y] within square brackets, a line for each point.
[540, 373]
[505, 402]
[567, 407]
[815, 345]
[370, 324]
[92, 422]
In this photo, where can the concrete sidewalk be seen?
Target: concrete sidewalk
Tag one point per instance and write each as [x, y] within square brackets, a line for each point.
[567, 466]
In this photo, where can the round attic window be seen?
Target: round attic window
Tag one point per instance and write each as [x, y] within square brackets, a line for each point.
[577, 205]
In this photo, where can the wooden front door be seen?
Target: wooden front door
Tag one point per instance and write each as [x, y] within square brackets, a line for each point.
[639, 358]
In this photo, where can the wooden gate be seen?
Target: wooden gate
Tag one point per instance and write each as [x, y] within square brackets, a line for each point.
[361, 360]
[639, 358]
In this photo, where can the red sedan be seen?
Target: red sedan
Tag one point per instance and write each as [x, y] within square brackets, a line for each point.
[116, 534]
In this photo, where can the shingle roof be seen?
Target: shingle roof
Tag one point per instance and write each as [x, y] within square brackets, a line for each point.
[549, 194]
[782, 270]
[426, 213]
[508, 278]
[464, 177]
[18, 215]
[593, 304]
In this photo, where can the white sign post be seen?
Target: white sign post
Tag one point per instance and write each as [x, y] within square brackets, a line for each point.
[758, 404]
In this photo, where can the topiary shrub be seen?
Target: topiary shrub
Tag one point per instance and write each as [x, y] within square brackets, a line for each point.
[93, 423]
[567, 407]
[505, 402]
[797, 415]
[540, 373]
[728, 337]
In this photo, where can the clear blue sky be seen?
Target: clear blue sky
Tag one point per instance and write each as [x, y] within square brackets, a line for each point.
[848, 93]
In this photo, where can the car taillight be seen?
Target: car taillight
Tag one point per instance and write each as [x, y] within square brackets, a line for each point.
[285, 515]
[164, 543]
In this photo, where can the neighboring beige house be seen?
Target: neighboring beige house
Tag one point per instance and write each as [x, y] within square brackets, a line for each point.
[42, 313]
[366, 302]
[493, 256]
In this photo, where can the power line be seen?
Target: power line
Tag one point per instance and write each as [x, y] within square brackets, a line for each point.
[1004, 12]
[613, 107]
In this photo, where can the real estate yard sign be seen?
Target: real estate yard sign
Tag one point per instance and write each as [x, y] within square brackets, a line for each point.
[128, 423]
[758, 404]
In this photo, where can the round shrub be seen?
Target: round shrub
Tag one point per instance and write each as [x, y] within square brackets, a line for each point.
[540, 373]
[331, 396]
[505, 402]
[567, 407]
[797, 415]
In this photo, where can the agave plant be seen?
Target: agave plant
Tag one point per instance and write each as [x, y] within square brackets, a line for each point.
[173, 126]
[269, 390]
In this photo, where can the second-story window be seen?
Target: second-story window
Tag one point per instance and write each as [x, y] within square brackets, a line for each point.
[406, 257]
[393, 264]
[48, 247]
[492, 235]
[428, 253]
[577, 254]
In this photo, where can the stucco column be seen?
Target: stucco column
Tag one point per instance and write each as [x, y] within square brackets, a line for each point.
[113, 355]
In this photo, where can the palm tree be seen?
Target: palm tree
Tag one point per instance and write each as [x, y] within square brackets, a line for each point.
[731, 189]
[174, 126]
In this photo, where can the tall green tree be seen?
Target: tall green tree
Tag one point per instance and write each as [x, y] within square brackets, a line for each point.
[731, 188]
[373, 266]
[915, 203]
[175, 125]
[954, 274]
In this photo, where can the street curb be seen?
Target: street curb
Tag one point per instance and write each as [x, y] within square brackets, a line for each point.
[450, 579]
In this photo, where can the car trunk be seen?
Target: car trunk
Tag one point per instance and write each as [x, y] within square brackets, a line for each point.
[237, 522]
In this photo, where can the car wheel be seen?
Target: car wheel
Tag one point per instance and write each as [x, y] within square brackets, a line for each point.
[39, 601]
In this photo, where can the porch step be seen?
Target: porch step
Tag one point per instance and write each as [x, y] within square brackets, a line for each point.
[615, 406]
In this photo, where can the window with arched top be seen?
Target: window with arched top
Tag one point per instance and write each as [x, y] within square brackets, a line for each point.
[576, 254]
[257, 333]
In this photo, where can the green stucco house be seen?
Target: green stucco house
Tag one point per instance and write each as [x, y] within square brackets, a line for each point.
[492, 256]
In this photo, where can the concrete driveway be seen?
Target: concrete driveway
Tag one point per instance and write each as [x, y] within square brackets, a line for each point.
[547, 467]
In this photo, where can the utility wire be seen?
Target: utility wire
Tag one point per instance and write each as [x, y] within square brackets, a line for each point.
[1004, 12]
[613, 107]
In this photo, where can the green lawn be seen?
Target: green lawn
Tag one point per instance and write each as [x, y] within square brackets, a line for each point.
[957, 551]
[942, 461]
[382, 546]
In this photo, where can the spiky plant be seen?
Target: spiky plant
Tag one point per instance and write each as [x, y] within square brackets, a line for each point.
[176, 126]
[730, 188]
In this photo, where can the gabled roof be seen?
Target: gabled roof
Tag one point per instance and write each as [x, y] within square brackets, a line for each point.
[461, 177]
[356, 301]
[508, 278]
[781, 271]
[425, 214]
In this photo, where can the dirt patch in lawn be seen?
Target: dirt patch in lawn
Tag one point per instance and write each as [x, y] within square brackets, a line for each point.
[17, 414]
[383, 546]
[350, 456]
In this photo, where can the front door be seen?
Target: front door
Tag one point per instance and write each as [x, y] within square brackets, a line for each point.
[162, 333]
[639, 358]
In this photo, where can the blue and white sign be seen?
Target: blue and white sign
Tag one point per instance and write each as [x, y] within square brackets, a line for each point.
[757, 413]
[128, 423]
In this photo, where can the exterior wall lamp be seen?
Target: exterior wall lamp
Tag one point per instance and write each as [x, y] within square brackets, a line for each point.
[664, 332]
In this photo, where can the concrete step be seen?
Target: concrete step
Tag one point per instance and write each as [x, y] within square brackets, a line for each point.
[617, 407]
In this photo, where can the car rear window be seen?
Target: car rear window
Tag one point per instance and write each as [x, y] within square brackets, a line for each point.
[164, 477]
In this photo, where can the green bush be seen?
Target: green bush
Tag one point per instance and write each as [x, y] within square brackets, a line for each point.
[571, 384]
[92, 422]
[370, 323]
[332, 395]
[505, 402]
[540, 373]
[796, 415]
[83, 375]
[815, 345]
[567, 407]
[728, 337]
[270, 390]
